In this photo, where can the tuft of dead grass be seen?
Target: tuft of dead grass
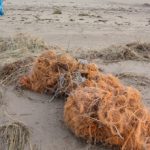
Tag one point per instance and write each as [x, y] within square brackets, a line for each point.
[139, 79]
[10, 73]
[19, 47]
[133, 51]
[14, 136]
[57, 11]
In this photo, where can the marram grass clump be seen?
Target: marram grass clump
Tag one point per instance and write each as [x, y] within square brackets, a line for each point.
[14, 136]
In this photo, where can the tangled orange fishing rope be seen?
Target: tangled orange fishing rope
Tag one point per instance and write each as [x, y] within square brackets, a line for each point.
[99, 108]
[59, 74]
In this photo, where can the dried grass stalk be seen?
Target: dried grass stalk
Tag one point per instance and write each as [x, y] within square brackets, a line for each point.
[14, 136]
[10, 73]
[133, 51]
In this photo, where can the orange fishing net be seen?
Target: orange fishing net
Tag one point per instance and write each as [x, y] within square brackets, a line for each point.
[99, 108]
[106, 111]
[57, 74]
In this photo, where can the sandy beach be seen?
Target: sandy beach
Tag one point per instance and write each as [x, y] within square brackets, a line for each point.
[91, 24]
[82, 28]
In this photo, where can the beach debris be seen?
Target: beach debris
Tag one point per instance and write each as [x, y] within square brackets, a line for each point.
[99, 108]
[109, 113]
[56, 74]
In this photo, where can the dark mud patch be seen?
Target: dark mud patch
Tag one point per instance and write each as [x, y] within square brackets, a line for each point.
[146, 5]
